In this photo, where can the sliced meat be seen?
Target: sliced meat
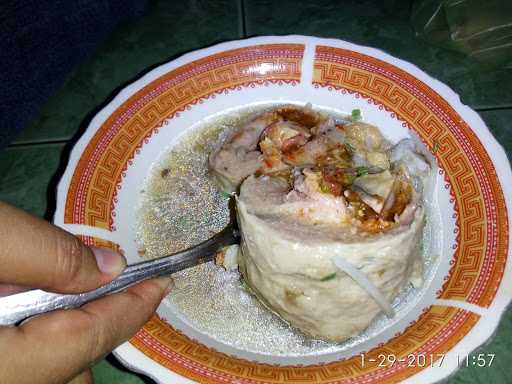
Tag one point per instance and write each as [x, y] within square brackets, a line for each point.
[231, 166]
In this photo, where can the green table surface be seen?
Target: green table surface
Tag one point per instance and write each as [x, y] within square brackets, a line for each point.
[32, 165]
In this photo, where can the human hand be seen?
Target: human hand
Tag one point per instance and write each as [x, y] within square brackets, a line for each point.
[61, 346]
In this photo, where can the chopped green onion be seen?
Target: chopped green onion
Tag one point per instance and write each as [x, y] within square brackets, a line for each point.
[350, 147]
[325, 188]
[351, 178]
[362, 171]
[244, 285]
[328, 277]
[435, 147]
[225, 194]
[356, 114]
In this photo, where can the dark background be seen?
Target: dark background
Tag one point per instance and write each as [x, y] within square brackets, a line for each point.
[54, 82]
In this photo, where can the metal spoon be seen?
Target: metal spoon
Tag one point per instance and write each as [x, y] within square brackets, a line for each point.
[21, 306]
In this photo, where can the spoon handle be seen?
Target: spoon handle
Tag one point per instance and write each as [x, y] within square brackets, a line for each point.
[18, 307]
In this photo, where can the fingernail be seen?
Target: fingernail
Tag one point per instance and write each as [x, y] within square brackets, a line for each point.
[109, 261]
[166, 282]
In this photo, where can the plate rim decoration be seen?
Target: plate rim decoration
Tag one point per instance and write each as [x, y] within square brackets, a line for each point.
[474, 170]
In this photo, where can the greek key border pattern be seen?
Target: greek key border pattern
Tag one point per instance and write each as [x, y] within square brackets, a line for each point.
[92, 191]
[481, 251]
[436, 332]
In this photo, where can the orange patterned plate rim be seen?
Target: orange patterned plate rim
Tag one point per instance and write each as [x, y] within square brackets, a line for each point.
[465, 296]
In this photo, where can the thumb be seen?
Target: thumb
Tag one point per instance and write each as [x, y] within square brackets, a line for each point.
[60, 345]
[38, 254]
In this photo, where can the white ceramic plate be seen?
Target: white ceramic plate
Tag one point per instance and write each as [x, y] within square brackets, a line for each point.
[465, 294]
